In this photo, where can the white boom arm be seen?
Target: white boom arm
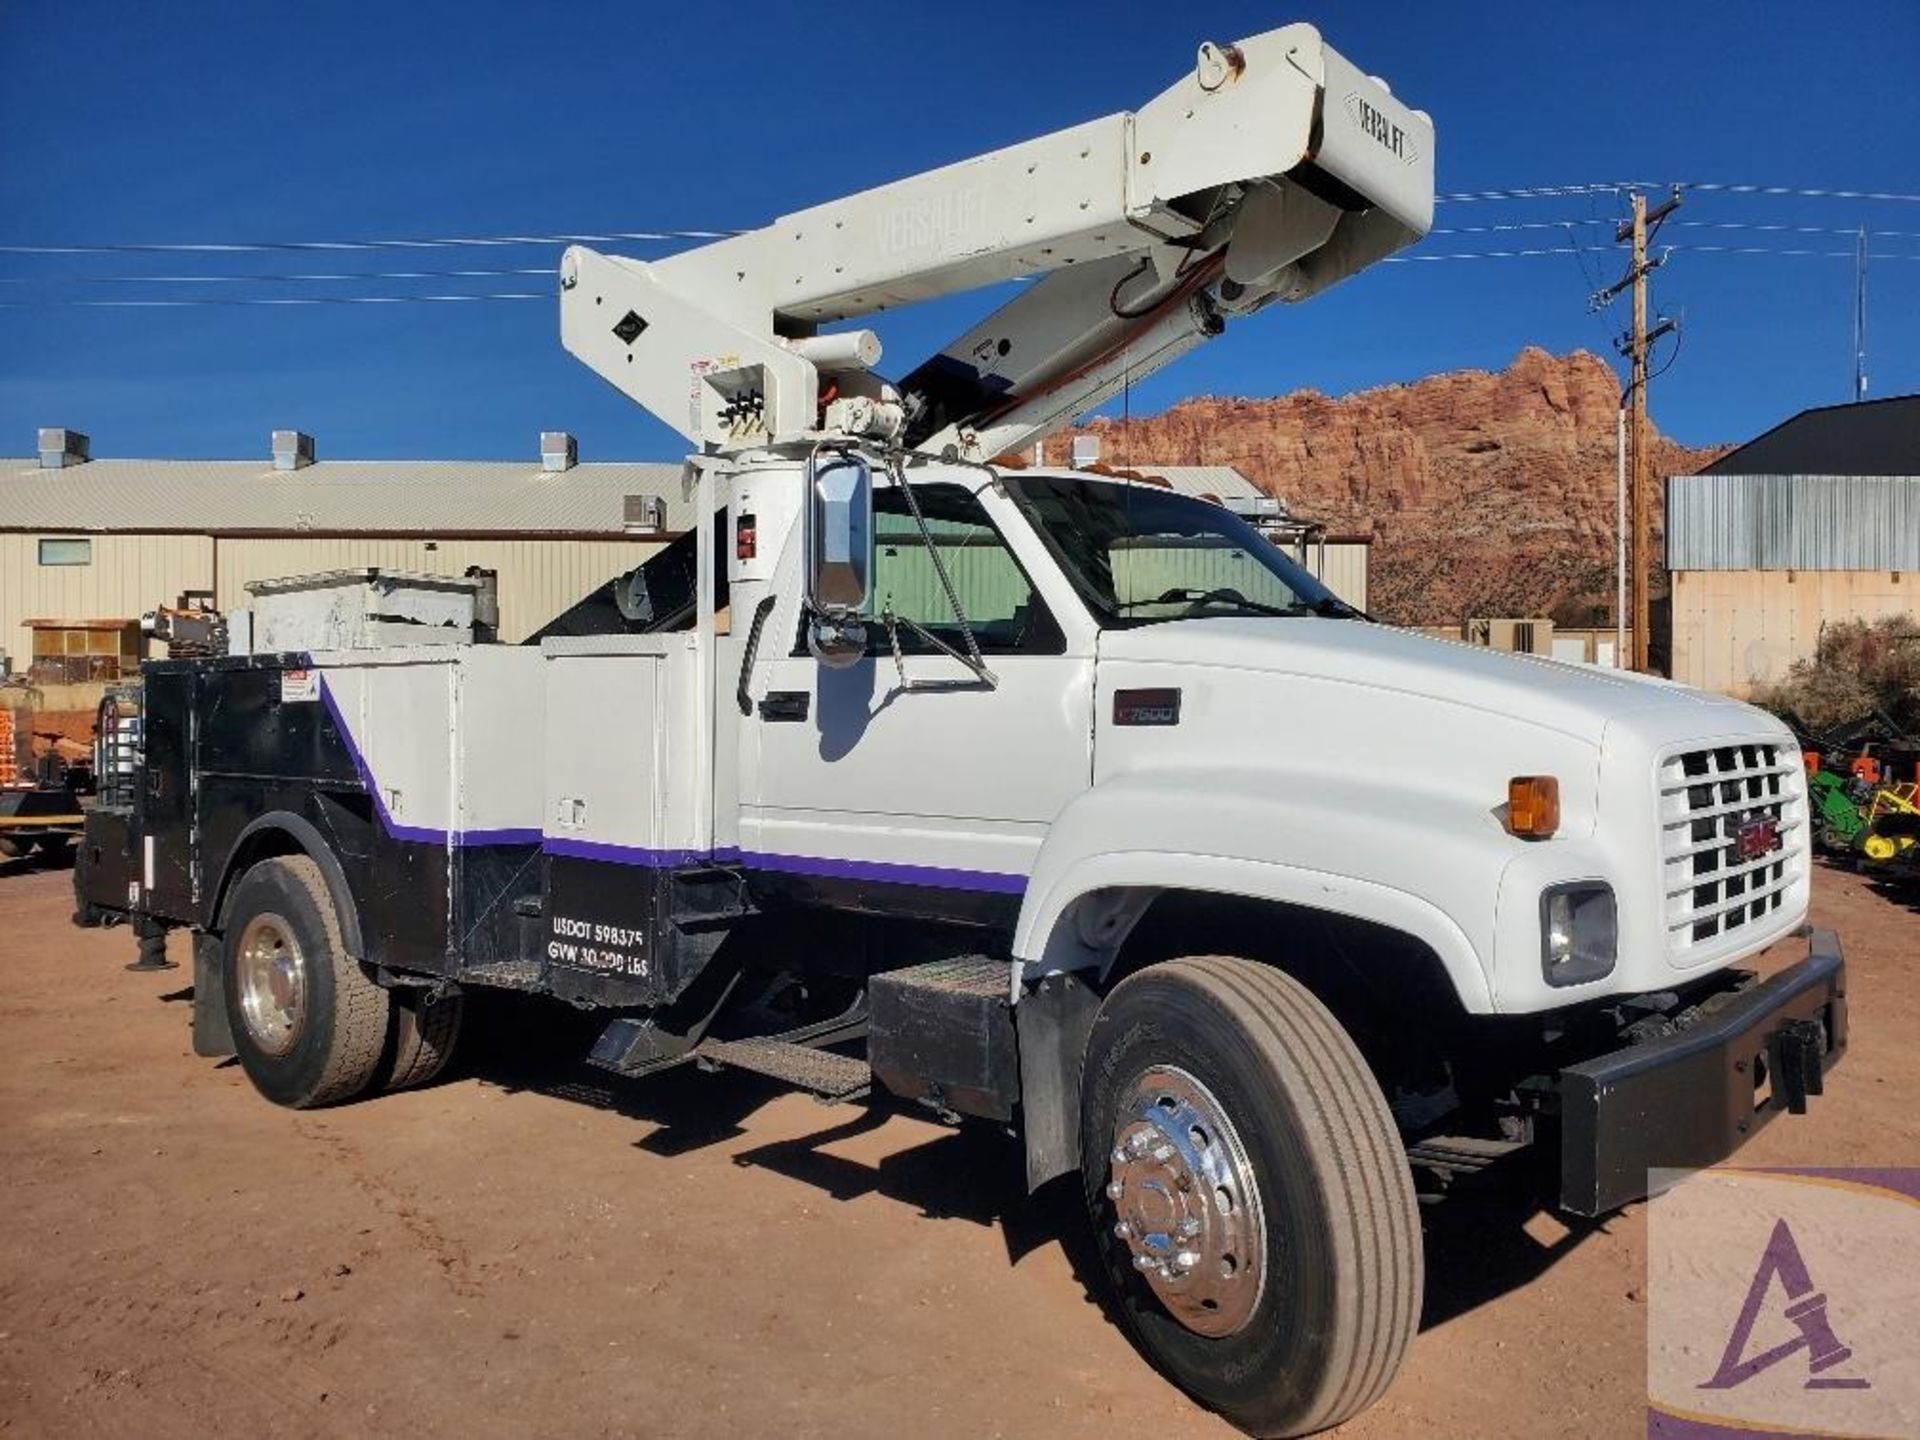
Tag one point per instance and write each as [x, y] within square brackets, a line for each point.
[1270, 172]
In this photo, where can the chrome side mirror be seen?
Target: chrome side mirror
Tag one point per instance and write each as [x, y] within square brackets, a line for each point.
[838, 539]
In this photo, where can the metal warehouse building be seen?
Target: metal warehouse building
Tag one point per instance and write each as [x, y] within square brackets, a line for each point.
[89, 545]
[1818, 520]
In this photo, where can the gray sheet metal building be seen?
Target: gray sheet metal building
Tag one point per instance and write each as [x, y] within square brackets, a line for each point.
[85, 540]
[1817, 520]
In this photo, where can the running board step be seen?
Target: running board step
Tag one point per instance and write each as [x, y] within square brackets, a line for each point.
[827, 1075]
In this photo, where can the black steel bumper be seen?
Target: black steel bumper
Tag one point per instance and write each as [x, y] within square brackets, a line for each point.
[1691, 1099]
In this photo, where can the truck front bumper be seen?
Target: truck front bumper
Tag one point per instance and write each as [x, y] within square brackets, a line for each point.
[1690, 1099]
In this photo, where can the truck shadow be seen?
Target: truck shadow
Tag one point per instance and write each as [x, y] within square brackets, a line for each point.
[1478, 1247]
[36, 862]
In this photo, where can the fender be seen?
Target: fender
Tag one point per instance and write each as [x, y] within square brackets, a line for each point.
[305, 834]
[1299, 837]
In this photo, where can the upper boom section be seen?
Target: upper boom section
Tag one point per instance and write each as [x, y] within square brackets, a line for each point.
[1270, 171]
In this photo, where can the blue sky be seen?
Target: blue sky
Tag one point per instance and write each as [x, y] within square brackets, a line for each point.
[191, 121]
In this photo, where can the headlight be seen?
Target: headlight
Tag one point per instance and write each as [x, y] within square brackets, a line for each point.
[1579, 932]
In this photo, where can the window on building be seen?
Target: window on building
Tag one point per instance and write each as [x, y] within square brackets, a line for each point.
[66, 552]
[76, 654]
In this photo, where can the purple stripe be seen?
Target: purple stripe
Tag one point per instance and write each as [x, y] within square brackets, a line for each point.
[620, 854]
[938, 877]
[424, 834]
[497, 837]
[933, 876]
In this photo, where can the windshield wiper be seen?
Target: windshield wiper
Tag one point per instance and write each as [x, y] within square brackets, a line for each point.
[1333, 607]
[1194, 600]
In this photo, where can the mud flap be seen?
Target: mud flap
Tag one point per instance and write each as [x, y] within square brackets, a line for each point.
[212, 1034]
[1052, 1021]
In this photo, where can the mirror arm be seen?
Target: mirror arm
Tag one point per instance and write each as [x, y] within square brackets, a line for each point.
[982, 675]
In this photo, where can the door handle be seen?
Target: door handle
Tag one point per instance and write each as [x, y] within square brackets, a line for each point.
[785, 705]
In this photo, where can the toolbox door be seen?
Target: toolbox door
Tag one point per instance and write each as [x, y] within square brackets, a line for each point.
[167, 862]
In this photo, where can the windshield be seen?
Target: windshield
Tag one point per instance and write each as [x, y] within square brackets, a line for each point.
[1139, 555]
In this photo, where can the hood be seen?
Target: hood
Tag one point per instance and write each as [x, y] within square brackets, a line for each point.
[1576, 700]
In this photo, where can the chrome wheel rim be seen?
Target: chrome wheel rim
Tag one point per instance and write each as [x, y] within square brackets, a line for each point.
[272, 984]
[1185, 1202]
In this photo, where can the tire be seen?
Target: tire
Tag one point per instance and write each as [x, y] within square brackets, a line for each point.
[424, 1035]
[326, 1045]
[11, 849]
[1311, 1328]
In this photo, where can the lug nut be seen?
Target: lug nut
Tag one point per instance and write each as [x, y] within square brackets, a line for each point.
[1144, 1263]
[1189, 1228]
[1121, 1157]
[1115, 1189]
[1137, 1142]
[1185, 1261]
[1163, 1153]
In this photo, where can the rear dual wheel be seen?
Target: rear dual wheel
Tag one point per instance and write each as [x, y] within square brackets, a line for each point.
[310, 1025]
[1251, 1199]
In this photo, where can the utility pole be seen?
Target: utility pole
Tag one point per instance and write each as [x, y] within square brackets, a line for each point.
[1636, 345]
[1860, 319]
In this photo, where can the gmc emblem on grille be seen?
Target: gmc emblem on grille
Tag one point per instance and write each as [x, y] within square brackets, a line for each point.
[1756, 838]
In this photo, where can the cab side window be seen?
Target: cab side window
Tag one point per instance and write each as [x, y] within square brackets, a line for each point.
[1006, 614]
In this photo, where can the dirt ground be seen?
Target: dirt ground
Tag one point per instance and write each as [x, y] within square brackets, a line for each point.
[529, 1249]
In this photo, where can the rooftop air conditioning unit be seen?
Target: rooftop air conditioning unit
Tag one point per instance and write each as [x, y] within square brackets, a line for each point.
[644, 515]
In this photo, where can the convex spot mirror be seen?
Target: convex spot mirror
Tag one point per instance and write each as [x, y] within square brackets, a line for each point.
[839, 555]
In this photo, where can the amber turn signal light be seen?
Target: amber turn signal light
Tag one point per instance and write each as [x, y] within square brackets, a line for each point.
[1533, 806]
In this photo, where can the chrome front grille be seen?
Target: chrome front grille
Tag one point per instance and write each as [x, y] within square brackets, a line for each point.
[1733, 833]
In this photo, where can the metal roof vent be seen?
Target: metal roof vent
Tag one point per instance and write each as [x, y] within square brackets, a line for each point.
[1085, 452]
[558, 450]
[61, 447]
[644, 514]
[292, 449]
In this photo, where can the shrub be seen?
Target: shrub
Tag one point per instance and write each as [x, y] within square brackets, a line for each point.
[1859, 667]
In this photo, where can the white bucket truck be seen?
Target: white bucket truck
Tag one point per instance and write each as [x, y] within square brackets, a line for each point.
[1054, 799]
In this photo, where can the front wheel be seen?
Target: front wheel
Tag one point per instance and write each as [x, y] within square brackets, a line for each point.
[1250, 1196]
[309, 1024]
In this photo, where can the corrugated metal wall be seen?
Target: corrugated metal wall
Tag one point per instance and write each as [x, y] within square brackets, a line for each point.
[1735, 629]
[1793, 522]
[131, 574]
[126, 576]
[538, 578]
[1344, 571]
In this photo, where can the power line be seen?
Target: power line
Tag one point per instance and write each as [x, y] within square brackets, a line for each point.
[1525, 253]
[251, 247]
[1524, 192]
[1795, 192]
[1803, 253]
[1522, 226]
[1534, 192]
[275, 300]
[348, 275]
[1723, 187]
[1531, 252]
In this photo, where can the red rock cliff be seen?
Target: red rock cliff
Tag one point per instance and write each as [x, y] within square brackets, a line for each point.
[1485, 494]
